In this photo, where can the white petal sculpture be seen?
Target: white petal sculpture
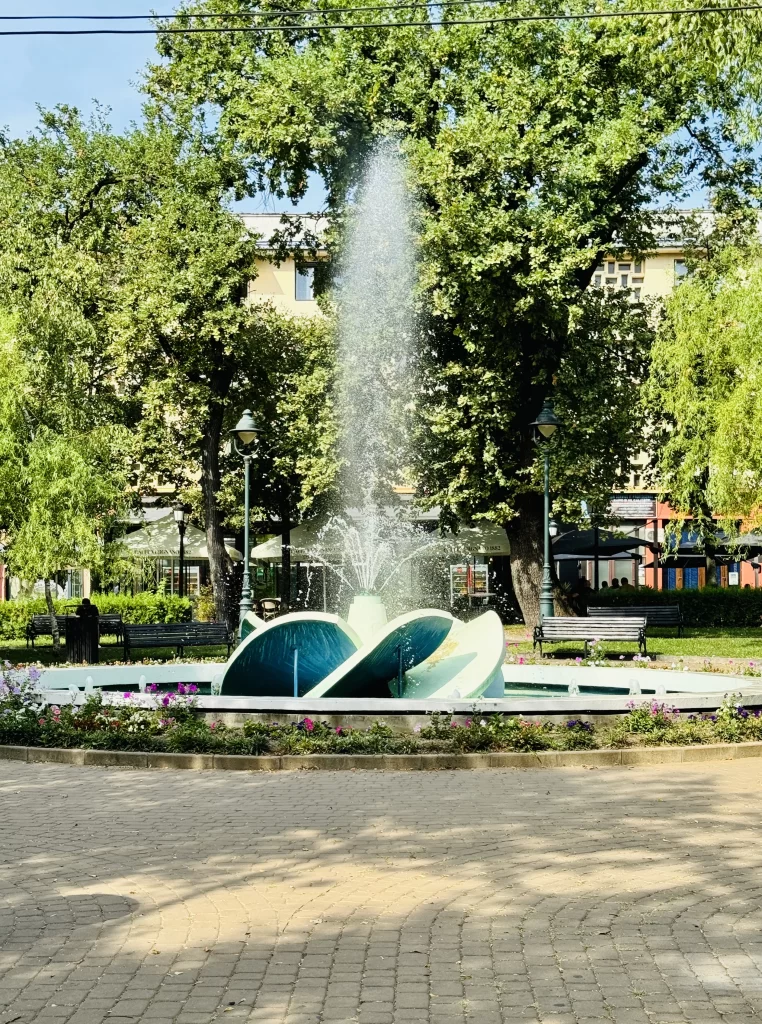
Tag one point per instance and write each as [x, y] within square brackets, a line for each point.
[467, 664]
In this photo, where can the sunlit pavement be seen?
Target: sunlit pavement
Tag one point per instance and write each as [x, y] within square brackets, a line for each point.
[560, 896]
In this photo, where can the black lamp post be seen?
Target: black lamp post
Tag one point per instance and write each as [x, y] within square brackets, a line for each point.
[545, 426]
[179, 514]
[244, 435]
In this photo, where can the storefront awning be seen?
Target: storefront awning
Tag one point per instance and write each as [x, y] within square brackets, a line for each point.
[162, 540]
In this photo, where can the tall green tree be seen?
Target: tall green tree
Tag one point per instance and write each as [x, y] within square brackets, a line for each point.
[181, 326]
[534, 149]
[705, 392]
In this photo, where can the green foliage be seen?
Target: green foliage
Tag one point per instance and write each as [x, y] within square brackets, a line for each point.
[141, 609]
[704, 390]
[711, 606]
[63, 483]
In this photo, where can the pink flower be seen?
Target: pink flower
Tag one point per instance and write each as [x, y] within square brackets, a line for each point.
[468, 723]
[521, 660]
[127, 696]
[453, 725]
[309, 725]
[213, 725]
[417, 728]
[165, 700]
[338, 730]
[152, 687]
[180, 688]
[42, 721]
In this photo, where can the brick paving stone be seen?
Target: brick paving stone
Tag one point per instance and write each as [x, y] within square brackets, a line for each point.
[611, 896]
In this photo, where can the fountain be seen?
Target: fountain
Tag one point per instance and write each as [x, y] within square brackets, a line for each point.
[423, 652]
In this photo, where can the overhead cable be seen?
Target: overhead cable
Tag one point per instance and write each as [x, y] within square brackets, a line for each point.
[349, 26]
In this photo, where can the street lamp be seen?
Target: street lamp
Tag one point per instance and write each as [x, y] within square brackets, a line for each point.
[244, 435]
[179, 513]
[545, 426]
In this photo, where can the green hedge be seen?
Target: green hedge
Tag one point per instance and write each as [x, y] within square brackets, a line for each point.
[142, 609]
[712, 606]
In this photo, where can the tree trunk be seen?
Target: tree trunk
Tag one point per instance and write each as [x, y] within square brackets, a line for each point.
[525, 534]
[219, 561]
[526, 539]
[52, 614]
[285, 576]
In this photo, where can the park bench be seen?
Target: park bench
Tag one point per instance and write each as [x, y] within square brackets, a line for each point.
[654, 614]
[558, 629]
[40, 625]
[176, 634]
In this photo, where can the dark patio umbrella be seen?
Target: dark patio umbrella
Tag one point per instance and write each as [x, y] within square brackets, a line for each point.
[582, 544]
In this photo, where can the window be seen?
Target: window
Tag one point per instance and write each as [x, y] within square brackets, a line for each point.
[624, 280]
[597, 280]
[611, 280]
[625, 266]
[637, 280]
[305, 282]
[611, 268]
[599, 270]
[681, 271]
[637, 268]
[636, 294]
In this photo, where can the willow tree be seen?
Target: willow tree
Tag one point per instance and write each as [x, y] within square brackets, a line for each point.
[705, 392]
[63, 475]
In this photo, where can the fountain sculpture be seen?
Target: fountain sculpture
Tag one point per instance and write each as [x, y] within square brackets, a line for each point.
[421, 653]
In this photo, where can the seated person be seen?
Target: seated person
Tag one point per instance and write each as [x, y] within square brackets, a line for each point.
[87, 610]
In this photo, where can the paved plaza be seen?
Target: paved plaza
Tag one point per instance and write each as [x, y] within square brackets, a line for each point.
[559, 896]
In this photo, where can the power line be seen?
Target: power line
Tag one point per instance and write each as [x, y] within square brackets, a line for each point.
[345, 26]
[256, 13]
[259, 13]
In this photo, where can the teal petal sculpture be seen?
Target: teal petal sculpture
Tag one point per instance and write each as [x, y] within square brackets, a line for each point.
[373, 671]
[306, 646]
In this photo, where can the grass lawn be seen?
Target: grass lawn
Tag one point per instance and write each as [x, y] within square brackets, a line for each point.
[743, 643]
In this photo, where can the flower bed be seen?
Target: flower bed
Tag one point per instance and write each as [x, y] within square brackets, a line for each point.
[159, 722]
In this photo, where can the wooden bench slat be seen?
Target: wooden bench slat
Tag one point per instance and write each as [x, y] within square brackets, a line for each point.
[655, 615]
[177, 634]
[625, 627]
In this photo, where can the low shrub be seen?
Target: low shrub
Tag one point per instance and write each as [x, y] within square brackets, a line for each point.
[141, 609]
[711, 606]
[576, 735]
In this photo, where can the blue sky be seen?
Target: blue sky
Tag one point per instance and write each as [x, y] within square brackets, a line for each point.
[76, 70]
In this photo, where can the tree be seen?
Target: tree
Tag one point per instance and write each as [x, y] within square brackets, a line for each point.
[704, 392]
[287, 375]
[534, 149]
[63, 488]
[181, 325]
